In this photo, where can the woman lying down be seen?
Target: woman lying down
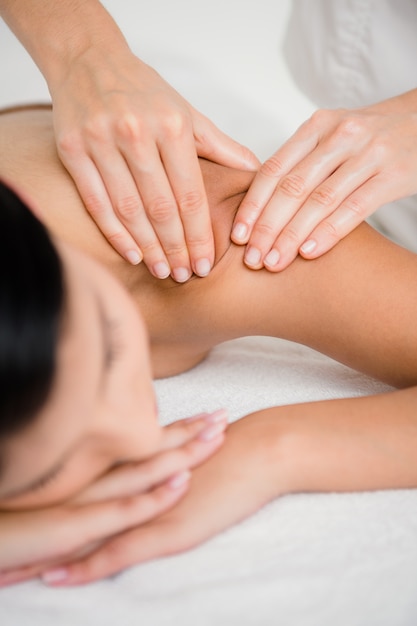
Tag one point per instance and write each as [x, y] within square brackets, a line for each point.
[90, 483]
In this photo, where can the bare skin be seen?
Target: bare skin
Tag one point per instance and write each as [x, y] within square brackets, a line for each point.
[358, 304]
[339, 322]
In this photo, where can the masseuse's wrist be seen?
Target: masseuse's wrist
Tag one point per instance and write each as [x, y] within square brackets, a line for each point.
[403, 104]
[86, 48]
[56, 34]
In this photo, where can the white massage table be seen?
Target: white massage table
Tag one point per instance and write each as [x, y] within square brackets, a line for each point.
[316, 560]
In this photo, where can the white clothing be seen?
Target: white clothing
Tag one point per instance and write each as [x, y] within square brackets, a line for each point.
[350, 53]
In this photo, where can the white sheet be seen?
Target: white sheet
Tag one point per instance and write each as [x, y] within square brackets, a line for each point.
[319, 560]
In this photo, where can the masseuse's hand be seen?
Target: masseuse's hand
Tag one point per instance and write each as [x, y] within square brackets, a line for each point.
[337, 169]
[130, 142]
[243, 476]
[124, 498]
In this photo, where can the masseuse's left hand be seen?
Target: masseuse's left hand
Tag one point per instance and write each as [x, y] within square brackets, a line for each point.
[337, 169]
[244, 475]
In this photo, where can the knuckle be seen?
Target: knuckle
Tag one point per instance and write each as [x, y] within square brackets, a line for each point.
[264, 229]
[350, 127]
[319, 115]
[132, 506]
[69, 144]
[245, 154]
[128, 207]
[272, 168]
[191, 203]
[379, 151]
[173, 249]
[355, 207]
[96, 129]
[174, 124]
[252, 210]
[151, 249]
[198, 240]
[94, 206]
[290, 234]
[323, 196]
[113, 555]
[116, 239]
[330, 230]
[161, 210]
[129, 128]
[320, 118]
[293, 185]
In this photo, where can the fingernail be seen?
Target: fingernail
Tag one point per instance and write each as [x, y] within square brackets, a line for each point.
[211, 432]
[202, 267]
[308, 246]
[240, 231]
[181, 274]
[177, 481]
[161, 269]
[133, 257]
[217, 417]
[253, 256]
[272, 258]
[54, 576]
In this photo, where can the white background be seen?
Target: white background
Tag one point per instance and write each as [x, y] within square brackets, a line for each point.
[223, 55]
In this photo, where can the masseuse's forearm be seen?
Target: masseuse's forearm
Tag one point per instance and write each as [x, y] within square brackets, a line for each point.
[353, 444]
[55, 33]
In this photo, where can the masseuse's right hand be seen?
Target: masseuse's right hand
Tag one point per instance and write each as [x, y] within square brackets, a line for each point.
[127, 138]
[124, 498]
[131, 142]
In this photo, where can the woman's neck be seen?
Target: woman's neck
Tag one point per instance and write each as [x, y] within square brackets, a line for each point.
[182, 318]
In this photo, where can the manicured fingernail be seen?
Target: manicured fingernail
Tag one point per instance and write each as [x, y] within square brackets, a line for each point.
[240, 231]
[55, 576]
[272, 258]
[161, 269]
[202, 267]
[217, 417]
[308, 246]
[181, 274]
[253, 256]
[211, 432]
[133, 257]
[178, 480]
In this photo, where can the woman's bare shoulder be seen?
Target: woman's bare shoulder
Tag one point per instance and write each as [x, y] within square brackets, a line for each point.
[30, 163]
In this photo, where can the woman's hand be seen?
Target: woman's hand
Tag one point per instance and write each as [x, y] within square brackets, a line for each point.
[124, 498]
[131, 142]
[242, 477]
[337, 169]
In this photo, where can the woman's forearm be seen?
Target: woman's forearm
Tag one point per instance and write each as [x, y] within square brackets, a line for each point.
[353, 444]
[340, 445]
[56, 33]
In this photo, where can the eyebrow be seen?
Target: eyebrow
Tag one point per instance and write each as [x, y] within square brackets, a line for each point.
[58, 466]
